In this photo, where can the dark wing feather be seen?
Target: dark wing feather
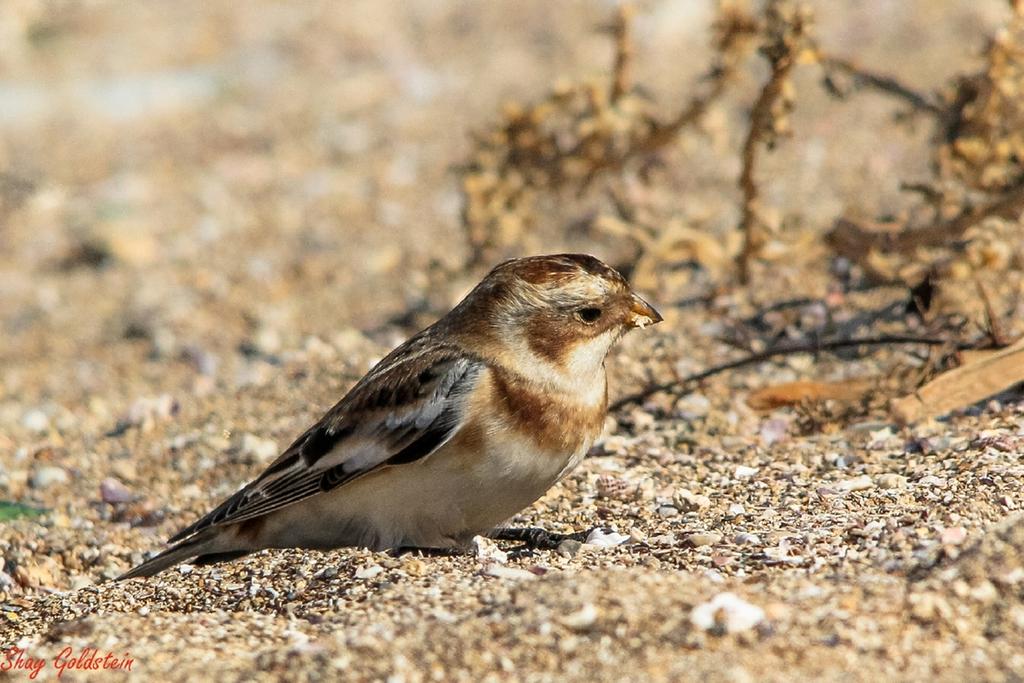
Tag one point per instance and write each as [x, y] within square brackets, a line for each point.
[406, 408]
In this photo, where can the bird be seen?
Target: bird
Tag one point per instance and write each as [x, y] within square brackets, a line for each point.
[451, 434]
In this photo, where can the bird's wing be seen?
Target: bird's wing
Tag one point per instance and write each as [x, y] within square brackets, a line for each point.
[406, 408]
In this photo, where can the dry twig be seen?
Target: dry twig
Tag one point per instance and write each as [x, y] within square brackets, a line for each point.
[576, 134]
[890, 85]
[622, 72]
[690, 382]
[963, 386]
[786, 27]
[978, 156]
[801, 391]
[853, 240]
[993, 325]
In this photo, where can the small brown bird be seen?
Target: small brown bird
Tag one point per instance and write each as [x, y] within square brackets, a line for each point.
[452, 433]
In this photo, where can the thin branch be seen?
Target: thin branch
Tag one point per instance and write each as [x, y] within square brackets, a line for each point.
[731, 33]
[884, 83]
[685, 383]
[699, 300]
[852, 240]
[993, 325]
[660, 134]
[760, 120]
[622, 74]
[786, 34]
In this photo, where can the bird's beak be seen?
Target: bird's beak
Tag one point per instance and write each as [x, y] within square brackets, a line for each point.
[641, 313]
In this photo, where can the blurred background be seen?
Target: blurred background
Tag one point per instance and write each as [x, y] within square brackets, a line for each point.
[188, 186]
[215, 216]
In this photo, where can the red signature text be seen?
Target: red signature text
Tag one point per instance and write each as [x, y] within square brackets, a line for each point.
[87, 659]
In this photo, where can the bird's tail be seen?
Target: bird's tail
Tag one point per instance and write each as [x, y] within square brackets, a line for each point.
[207, 548]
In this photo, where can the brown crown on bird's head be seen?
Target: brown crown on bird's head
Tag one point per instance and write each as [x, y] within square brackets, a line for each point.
[575, 289]
[558, 268]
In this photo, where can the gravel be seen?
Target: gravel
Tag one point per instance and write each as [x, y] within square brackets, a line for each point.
[240, 281]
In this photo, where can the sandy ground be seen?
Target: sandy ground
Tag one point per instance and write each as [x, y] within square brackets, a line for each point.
[214, 217]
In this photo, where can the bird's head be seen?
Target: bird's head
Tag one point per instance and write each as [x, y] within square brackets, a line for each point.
[564, 310]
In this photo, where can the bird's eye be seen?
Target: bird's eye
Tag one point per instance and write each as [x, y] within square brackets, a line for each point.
[588, 315]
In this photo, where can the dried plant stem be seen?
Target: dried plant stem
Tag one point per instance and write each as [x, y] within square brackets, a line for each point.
[786, 35]
[572, 137]
[660, 135]
[888, 84]
[622, 72]
[993, 325]
[854, 241]
[760, 121]
[687, 383]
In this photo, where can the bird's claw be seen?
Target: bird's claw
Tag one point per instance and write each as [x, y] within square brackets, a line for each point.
[535, 538]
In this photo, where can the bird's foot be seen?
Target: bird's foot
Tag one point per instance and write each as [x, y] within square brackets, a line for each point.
[426, 552]
[536, 538]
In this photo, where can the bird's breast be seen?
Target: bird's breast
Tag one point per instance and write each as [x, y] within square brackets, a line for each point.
[555, 422]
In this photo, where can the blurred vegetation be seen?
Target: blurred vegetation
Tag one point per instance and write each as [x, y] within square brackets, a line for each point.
[604, 137]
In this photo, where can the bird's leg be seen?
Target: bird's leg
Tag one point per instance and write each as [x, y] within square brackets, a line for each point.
[426, 552]
[536, 538]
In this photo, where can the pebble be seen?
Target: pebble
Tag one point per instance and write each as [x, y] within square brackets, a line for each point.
[641, 419]
[637, 535]
[369, 571]
[34, 575]
[861, 483]
[688, 501]
[569, 548]
[927, 607]
[582, 619]
[744, 472]
[501, 571]
[616, 488]
[881, 439]
[728, 613]
[351, 341]
[985, 593]
[614, 445]
[79, 582]
[735, 510]
[934, 444]
[693, 406]
[668, 511]
[733, 442]
[46, 476]
[318, 347]
[327, 573]
[165, 343]
[146, 411]
[891, 480]
[954, 535]
[604, 539]
[35, 421]
[124, 469]
[205, 363]
[773, 430]
[414, 566]
[487, 551]
[255, 448]
[701, 539]
[113, 491]
[267, 341]
[663, 539]
[180, 442]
